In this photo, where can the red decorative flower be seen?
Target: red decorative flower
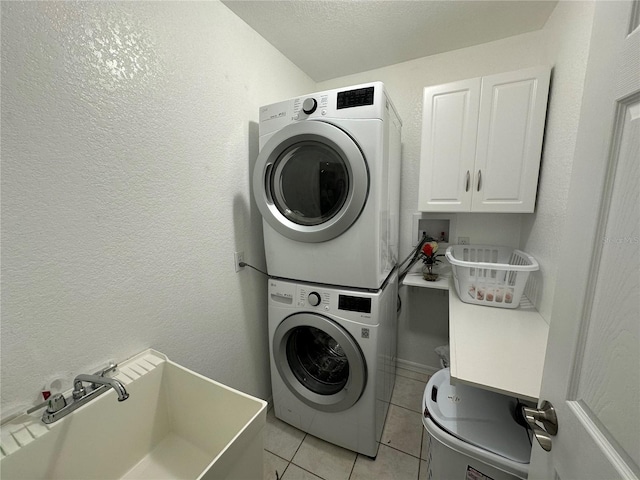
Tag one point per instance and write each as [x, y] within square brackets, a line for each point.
[430, 248]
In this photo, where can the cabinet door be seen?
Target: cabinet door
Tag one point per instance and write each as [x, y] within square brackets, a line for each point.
[449, 126]
[509, 144]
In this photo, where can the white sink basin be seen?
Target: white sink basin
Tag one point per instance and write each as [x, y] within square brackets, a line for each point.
[175, 424]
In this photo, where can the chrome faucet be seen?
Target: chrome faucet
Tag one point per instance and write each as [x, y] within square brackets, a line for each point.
[80, 392]
[59, 407]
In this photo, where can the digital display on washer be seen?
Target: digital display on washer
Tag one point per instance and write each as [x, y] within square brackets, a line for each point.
[355, 98]
[354, 304]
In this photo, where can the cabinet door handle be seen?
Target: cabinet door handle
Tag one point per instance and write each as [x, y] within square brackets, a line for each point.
[479, 179]
[466, 188]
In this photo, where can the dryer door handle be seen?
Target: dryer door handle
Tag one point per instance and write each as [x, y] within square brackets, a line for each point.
[267, 182]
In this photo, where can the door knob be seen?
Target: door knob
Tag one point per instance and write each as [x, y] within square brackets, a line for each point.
[547, 417]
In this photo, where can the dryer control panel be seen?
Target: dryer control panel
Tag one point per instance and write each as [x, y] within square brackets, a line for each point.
[370, 99]
[358, 97]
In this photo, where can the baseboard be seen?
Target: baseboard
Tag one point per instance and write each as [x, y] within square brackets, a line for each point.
[416, 367]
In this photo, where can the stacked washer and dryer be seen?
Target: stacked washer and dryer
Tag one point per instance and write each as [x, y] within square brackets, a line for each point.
[327, 183]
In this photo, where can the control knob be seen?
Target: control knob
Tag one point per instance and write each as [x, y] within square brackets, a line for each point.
[309, 106]
[314, 299]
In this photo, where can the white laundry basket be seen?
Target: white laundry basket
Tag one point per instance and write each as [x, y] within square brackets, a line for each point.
[490, 275]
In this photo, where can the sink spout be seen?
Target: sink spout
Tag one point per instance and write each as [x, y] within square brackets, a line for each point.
[79, 390]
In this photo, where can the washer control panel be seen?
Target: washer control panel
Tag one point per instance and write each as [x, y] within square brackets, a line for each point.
[354, 304]
[309, 296]
[314, 299]
[347, 304]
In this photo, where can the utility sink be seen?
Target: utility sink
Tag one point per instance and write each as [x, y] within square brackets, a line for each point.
[175, 424]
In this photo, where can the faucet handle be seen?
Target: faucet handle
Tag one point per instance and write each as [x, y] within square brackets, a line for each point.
[56, 403]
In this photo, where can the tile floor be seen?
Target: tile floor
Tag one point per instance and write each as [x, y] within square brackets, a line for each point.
[291, 454]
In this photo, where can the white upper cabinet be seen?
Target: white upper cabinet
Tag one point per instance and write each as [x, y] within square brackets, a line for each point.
[482, 142]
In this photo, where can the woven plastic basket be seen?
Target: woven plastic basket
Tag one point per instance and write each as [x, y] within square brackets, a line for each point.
[490, 275]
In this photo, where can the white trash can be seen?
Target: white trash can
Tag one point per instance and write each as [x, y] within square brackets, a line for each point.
[472, 433]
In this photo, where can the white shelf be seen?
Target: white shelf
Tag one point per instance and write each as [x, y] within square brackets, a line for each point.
[416, 280]
[497, 349]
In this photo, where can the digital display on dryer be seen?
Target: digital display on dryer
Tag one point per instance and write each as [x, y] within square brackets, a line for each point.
[354, 304]
[355, 98]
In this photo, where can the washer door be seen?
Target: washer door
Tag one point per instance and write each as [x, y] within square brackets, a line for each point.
[319, 361]
[311, 181]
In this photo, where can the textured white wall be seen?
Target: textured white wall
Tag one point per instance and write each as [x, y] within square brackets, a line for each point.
[128, 129]
[563, 43]
[567, 35]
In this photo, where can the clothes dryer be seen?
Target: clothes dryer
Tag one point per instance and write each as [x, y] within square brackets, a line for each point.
[333, 360]
[327, 183]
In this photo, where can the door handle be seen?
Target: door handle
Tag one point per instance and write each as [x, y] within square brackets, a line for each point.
[466, 188]
[267, 183]
[547, 417]
[479, 179]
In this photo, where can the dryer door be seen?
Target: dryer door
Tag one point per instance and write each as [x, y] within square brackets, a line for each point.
[311, 181]
[319, 361]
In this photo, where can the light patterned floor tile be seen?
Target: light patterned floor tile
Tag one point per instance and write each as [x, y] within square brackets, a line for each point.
[324, 459]
[274, 466]
[294, 472]
[390, 464]
[425, 440]
[403, 430]
[421, 377]
[281, 438]
[408, 393]
[424, 471]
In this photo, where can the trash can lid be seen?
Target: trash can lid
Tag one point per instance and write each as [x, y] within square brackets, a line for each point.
[480, 417]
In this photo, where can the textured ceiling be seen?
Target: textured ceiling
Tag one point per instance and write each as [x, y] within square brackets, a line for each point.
[329, 39]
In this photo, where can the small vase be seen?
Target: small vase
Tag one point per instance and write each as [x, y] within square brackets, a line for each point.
[429, 273]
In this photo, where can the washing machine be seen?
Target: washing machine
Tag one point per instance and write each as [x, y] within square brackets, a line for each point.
[333, 359]
[327, 183]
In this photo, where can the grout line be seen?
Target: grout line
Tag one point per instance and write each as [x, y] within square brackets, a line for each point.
[297, 449]
[353, 467]
[308, 471]
[405, 408]
[420, 454]
[283, 472]
[412, 378]
[280, 457]
[401, 451]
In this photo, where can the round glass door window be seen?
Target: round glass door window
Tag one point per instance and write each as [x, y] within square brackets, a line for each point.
[310, 183]
[319, 361]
